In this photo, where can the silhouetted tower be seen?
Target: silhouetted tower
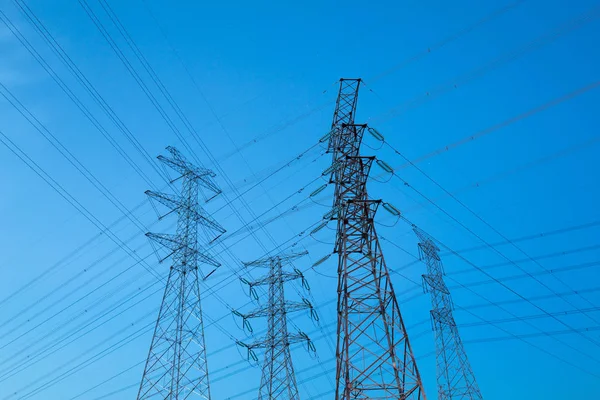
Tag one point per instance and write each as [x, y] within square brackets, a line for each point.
[455, 377]
[176, 367]
[278, 380]
[374, 357]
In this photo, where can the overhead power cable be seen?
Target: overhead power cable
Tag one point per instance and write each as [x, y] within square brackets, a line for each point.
[274, 172]
[486, 223]
[468, 139]
[213, 289]
[449, 39]
[88, 86]
[513, 291]
[595, 342]
[533, 236]
[178, 111]
[567, 27]
[67, 196]
[25, 159]
[127, 340]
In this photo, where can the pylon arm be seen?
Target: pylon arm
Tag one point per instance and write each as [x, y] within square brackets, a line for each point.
[180, 164]
[173, 243]
[265, 262]
[289, 307]
[291, 338]
[184, 167]
[442, 316]
[285, 276]
[431, 283]
[298, 338]
[426, 242]
[175, 203]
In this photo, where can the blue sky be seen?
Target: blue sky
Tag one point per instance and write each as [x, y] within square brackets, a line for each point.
[516, 77]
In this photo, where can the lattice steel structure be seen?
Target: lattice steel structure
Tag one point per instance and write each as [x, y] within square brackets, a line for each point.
[374, 356]
[176, 367]
[455, 378]
[278, 380]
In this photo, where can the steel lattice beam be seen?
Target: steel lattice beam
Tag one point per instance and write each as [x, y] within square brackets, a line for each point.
[176, 368]
[374, 357]
[455, 378]
[278, 380]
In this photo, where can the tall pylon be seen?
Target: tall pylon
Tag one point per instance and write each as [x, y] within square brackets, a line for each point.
[374, 356]
[278, 381]
[455, 378]
[176, 367]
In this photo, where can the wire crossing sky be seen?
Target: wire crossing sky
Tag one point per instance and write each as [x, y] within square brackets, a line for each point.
[484, 136]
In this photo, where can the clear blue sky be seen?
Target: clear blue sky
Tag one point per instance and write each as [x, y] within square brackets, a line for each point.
[436, 73]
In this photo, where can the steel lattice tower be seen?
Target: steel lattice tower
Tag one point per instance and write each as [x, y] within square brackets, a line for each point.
[374, 356]
[278, 380]
[455, 377]
[176, 367]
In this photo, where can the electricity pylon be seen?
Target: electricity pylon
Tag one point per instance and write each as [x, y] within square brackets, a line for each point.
[278, 381]
[455, 378]
[176, 367]
[374, 356]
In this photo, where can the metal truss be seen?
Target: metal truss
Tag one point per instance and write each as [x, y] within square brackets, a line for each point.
[278, 380]
[374, 356]
[455, 378]
[176, 367]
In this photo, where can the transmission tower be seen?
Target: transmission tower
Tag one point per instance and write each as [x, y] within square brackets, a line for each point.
[278, 380]
[374, 356]
[455, 377]
[176, 367]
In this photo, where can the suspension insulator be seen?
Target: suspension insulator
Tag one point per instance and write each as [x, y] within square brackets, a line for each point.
[319, 190]
[325, 138]
[375, 133]
[318, 228]
[329, 170]
[391, 209]
[252, 355]
[331, 213]
[321, 261]
[385, 166]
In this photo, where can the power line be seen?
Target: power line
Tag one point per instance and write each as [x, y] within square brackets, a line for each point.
[523, 298]
[549, 37]
[455, 377]
[505, 123]
[88, 86]
[294, 193]
[493, 249]
[449, 39]
[504, 237]
[533, 236]
[214, 288]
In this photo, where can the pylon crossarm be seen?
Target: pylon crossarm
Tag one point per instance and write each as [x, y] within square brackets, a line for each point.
[173, 243]
[278, 380]
[283, 259]
[175, 204]
[266, 280]
[426, 241]
[455, 378]
[265, 311]
[178, 163]
[168, 200]
[302, 337]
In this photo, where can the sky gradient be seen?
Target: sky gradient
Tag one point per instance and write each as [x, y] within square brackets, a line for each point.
[494, 102]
